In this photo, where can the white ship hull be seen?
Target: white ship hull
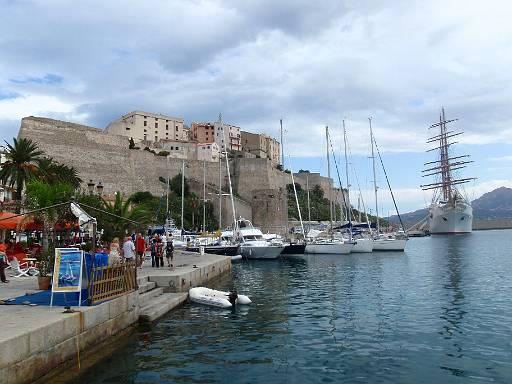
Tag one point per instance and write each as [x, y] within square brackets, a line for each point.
[260, 251]
[363, 246]
[330, 248]
[451, 219]
[383, 244]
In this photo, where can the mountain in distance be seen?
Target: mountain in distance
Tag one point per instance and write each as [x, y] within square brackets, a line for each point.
[496, 204]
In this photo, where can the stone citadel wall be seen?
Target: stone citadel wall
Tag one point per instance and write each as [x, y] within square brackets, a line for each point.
[106, 158]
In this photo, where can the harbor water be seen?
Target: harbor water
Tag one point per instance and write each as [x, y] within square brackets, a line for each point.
[441, 312]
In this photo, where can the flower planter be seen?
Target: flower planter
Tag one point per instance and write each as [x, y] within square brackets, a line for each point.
[44, 282]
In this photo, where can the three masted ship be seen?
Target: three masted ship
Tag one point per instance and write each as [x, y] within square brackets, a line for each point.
[450, 212]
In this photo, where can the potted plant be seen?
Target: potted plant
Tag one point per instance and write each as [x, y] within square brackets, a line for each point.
[45, 262]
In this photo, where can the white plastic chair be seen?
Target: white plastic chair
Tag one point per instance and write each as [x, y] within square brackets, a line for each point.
[20, 269]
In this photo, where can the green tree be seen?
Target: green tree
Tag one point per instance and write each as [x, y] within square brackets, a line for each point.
[43, 195]
[21, 165]
[126, 209]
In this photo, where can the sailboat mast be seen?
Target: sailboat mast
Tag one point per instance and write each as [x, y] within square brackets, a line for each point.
[229, 174]
[347, 200]
[297, 201]
[445, 164]
[374, 179]
[329, 173]
[309, 205]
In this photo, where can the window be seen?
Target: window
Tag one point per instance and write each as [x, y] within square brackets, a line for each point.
[145, 123]
[167, 126]
[172, 148]
[156, 125]
[176, 128]
[156, 131]
[166, 121]
[156, 118]
[208, 147]
[166, 133]
[145, 137]
[156, 138]
[177, 148]
[127, 128]
[145, 117]
[145, 130]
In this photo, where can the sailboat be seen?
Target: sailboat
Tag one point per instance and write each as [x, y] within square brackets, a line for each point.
[450, 212]
[383, 242]
[362, 244]
[252, 243]
[330, 245]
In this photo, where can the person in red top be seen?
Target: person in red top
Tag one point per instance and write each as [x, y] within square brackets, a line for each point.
[140, 248]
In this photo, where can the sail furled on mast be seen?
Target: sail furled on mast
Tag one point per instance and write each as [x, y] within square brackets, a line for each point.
[446, 164]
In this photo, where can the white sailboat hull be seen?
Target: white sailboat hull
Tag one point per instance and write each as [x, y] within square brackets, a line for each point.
[251, 251]
[363, 246]
[389, 244]
[329, 248]
[451, 219]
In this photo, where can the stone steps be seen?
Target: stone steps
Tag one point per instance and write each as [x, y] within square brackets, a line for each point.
[145, 297]
[146, 287]
[160, 305]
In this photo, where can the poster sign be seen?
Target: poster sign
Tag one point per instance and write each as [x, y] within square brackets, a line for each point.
[67, 272]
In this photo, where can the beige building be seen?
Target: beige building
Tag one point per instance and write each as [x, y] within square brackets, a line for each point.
[262, 146]
[208, 152]
[179, 149]
[148, 126]
[212, 133]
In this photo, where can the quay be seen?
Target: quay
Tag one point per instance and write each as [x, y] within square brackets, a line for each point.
[36, 340]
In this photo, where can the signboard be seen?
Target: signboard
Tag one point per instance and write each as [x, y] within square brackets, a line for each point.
[67, 271]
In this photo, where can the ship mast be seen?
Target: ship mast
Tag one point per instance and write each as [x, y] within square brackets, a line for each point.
[446, 164]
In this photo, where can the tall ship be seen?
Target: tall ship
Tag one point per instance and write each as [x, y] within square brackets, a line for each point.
[450, 212]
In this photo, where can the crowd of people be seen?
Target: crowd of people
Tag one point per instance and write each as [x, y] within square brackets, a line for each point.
[136, 248]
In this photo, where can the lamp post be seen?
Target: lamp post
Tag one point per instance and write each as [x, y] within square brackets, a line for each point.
[90, 187]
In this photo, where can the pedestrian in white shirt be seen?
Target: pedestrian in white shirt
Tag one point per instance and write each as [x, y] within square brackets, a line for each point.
[128, 250]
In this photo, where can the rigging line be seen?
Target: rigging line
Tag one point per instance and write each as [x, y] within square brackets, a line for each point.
[357, 180]
[338, 173]
[389, 185]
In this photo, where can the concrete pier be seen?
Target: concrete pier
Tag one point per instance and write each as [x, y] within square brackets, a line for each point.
[34, 340]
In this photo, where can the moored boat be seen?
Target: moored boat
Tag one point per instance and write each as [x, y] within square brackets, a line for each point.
[214, 298]
[450, 212]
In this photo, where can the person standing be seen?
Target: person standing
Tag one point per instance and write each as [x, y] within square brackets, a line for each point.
[3, 263]
[114, 255]
[129, 250]
[169, 252]
[140, 247]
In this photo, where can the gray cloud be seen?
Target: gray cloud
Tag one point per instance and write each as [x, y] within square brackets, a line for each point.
[312, 63]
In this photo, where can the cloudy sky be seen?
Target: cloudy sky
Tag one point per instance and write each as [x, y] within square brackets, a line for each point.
[256, 61]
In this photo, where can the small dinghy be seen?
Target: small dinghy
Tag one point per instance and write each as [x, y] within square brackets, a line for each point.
[207, 296]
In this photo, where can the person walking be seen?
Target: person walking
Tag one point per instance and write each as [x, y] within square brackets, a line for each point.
[169, 252]
[129, 250]
[159, 253]
[140, 247]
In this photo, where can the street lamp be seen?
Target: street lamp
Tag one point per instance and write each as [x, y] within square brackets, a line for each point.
[90, 186]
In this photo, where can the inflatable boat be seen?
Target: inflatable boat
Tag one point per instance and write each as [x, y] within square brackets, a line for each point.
[207, 296]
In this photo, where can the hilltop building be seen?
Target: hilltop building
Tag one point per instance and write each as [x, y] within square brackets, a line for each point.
[212, 133]
[147, 126]
[262, 146]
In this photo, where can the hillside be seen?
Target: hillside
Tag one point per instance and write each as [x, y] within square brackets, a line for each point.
[496, 204]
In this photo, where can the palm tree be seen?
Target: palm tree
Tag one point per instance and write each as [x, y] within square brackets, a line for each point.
[52, 172]
[124, 209]
[21, 165]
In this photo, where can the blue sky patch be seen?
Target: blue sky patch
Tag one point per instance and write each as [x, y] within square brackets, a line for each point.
[48, 79]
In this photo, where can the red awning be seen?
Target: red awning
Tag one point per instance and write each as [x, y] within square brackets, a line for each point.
[10, 222]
